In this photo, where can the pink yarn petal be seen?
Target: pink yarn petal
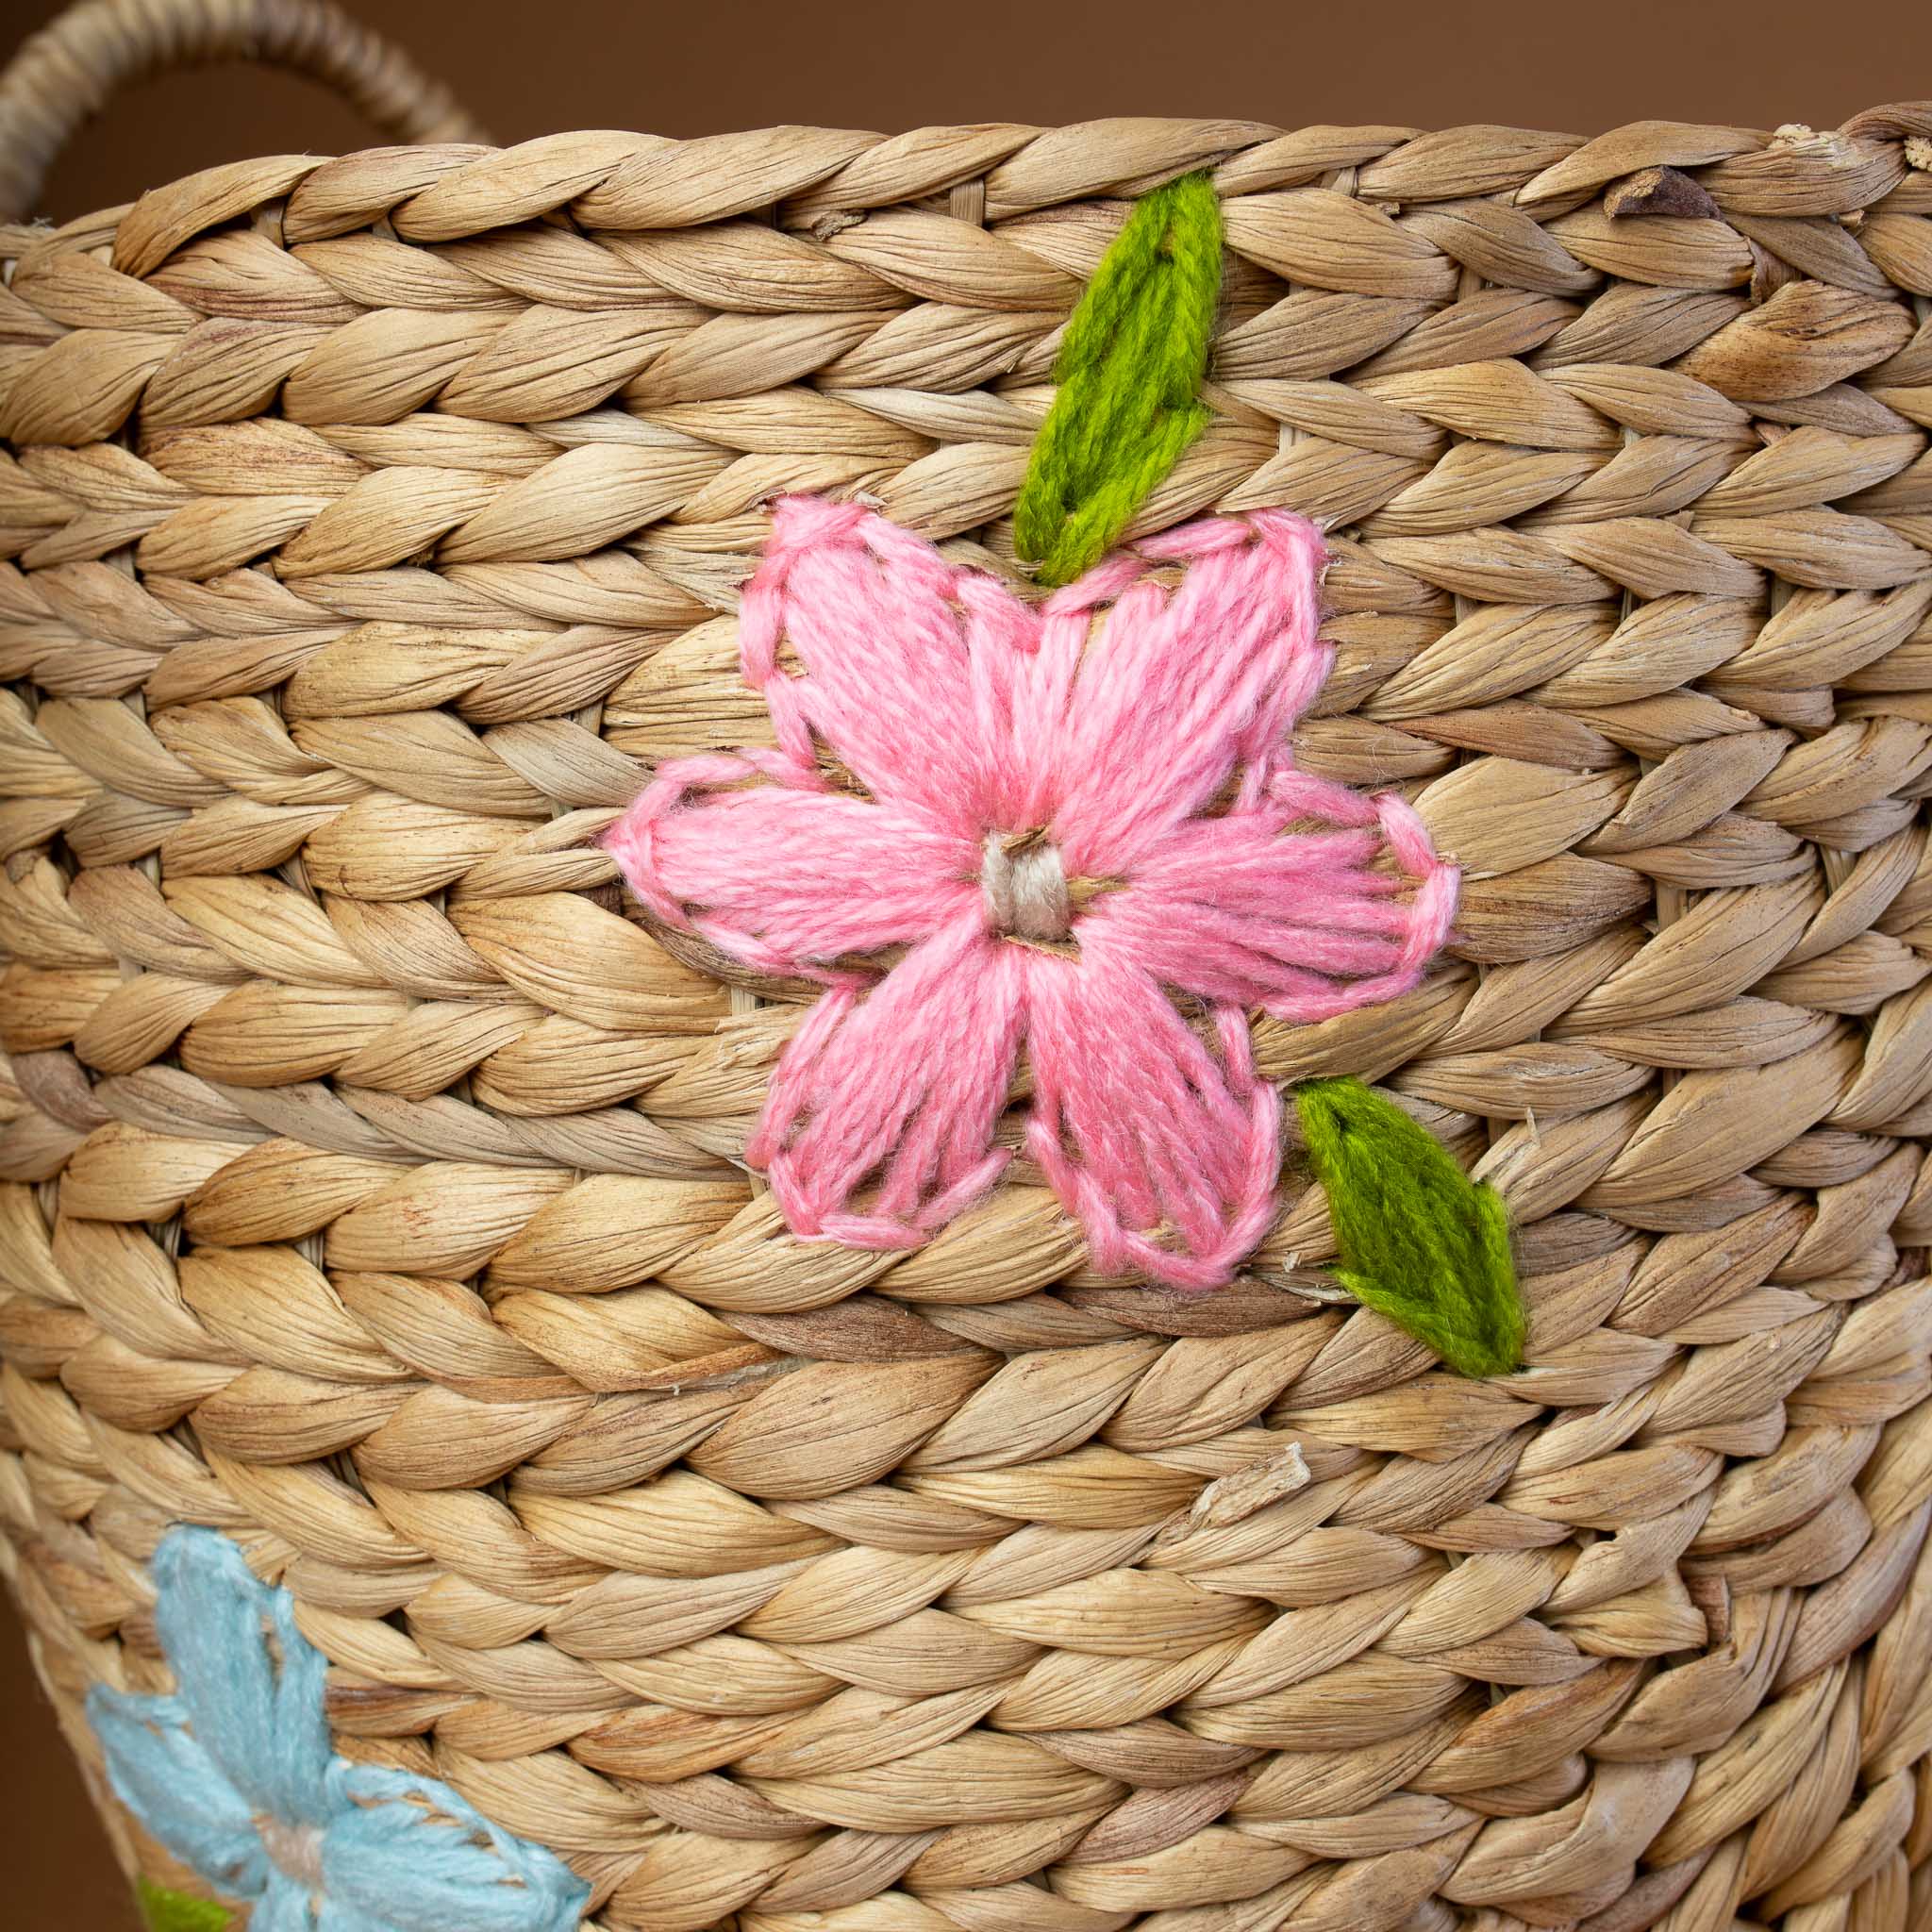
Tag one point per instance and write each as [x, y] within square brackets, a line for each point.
[1299, 924]
[787, 880]
[907, 662]
[1132, 717]
[897, 1092]
[1166, 1152]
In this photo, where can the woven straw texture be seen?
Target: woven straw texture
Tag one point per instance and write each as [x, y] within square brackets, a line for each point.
[376, 527]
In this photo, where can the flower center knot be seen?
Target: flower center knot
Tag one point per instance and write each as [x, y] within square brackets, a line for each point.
[294, 1849]
[1024, 885]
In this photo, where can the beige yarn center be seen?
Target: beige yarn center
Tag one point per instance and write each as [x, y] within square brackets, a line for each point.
[1025, 884]
[296, 1849]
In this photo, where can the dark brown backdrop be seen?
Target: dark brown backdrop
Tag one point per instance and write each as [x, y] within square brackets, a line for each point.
[892, 64]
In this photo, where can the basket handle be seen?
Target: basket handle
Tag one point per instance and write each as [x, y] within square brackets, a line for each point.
[62, 76]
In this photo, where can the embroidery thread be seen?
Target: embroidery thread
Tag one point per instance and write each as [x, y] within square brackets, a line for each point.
[1128, 375]
[163, 1909]
[1420, 1241]
[235, 1775]
[1070, 814]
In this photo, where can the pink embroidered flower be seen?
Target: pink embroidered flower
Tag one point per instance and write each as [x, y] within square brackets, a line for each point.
[1071, 815]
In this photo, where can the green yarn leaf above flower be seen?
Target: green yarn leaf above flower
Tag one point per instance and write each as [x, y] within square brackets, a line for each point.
[1128, 375]
[165, 1910]
[1421, 1242]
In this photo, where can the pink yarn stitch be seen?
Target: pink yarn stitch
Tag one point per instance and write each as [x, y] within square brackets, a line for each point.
[1128, 744]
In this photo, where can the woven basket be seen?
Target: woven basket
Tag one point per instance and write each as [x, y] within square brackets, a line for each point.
[374, 1183]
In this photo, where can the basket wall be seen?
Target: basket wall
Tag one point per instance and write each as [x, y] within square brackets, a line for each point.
[375, 524]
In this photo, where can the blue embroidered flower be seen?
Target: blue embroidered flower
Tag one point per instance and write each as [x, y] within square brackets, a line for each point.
[235, 1776]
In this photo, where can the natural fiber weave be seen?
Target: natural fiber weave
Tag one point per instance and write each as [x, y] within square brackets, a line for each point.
[377, 526]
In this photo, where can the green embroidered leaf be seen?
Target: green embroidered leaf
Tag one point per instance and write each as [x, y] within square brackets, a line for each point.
[1130, 370]
[1421, 1242]
[166, 1910]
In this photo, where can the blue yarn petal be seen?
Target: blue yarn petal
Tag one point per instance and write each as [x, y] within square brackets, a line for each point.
[417, 1857]
[245, 1737]
[180, 1794]
[285, 1907]
[333, 1915]
[252, 1683]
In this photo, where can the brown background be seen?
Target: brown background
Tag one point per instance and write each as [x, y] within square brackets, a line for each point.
[892, 64]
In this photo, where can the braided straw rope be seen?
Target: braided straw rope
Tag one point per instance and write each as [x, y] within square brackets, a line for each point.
[376, 524]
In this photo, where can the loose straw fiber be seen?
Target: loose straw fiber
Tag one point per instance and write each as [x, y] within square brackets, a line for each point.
[376, 527]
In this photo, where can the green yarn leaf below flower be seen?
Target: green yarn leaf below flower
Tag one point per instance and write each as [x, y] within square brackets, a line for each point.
[165, 1910]
[1128, 374]
[1421, 1242]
